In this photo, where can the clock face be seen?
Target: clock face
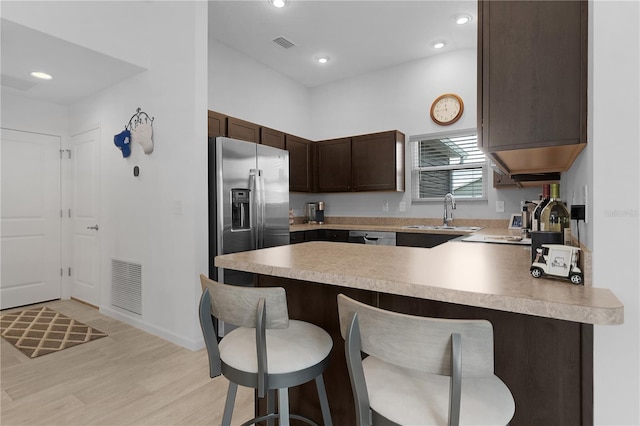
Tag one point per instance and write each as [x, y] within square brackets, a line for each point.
[447, 109]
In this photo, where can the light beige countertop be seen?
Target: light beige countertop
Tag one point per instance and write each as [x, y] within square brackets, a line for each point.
[494, 276]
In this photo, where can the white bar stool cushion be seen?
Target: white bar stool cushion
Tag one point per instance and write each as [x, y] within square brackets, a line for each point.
[410, 397]
[308, 342]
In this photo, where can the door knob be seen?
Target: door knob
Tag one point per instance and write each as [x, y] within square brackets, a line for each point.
[93, 227]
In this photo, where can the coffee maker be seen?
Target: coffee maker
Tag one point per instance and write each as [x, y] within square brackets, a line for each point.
[311, 212]
[315, 212]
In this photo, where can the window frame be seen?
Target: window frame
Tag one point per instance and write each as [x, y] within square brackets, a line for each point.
[413, 143]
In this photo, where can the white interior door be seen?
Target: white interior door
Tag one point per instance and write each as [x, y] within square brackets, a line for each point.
[30, 218]
[85, 226]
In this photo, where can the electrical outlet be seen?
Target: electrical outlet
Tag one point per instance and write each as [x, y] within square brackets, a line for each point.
[578, 212]
[385, 206]
[402, 206]
[499, 206]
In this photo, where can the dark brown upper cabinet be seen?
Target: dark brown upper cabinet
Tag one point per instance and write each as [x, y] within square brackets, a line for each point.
[334, 165]
[301, 163]
[377, 161]
[271, 137]
[217, 124]
[532, 83]
[243, 130]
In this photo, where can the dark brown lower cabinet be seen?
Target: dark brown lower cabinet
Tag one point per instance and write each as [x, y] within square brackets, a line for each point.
[546, 363]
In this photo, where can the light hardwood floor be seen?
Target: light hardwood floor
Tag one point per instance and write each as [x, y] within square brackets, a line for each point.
[128, 378]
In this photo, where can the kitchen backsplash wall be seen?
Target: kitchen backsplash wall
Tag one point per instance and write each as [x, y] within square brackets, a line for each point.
[371, 204]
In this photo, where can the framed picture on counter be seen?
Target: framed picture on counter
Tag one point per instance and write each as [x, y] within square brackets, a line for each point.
[516, 221]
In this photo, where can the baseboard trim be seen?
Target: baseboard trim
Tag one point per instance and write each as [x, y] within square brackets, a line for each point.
[190, 344]
[84, 303]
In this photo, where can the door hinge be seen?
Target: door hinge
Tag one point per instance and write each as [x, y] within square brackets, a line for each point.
[69, 270]
[61, 272]
[69, 212]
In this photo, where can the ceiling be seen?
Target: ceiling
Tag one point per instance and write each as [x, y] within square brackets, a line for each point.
[359, 37]
[77, 72]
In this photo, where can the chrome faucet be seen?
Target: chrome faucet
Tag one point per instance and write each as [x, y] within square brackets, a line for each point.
[448, 215]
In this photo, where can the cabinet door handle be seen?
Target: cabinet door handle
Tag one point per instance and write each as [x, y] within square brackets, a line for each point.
[95, 227]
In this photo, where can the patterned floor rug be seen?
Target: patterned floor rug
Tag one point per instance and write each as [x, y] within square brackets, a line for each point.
[40, 331]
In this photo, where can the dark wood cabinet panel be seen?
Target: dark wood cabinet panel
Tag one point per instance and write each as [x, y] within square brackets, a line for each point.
[374, 161]
[311, 235]
[296, 237]
[334, 165]
[335, 235]
[271, 137]
[300, 163]
[532, 83]
[217, 124]
[410, 239]
[243, 130]
[377, 162]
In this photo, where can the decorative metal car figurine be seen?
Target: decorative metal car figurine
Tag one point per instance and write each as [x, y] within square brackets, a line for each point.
[557, 261]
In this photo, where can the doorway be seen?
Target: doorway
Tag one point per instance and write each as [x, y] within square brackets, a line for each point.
[85, 223]
[31, 218]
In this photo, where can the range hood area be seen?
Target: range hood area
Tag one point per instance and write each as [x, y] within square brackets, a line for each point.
[534, 166]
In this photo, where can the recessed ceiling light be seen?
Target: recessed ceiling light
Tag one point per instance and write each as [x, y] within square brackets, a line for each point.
[41, 75]
[463, 18]
[278, 3]
[438, 44]
[323, 59]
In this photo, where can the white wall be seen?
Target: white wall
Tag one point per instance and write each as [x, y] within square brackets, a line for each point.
[615, 74]
[21, 113]
[241, 87]
[158, 219]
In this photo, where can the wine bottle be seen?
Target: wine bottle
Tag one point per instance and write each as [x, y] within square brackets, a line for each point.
[544, 200]
[555, 216]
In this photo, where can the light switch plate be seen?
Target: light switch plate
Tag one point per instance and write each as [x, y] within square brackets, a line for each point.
[402, 206]
[499, 206]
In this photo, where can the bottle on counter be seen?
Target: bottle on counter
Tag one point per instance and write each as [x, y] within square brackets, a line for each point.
[544, 200]
[526, 220]
[555, 217]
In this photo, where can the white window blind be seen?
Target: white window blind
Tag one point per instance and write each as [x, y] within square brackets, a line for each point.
[448, 164]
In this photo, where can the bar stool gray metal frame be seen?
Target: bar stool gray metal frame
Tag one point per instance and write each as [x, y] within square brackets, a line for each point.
[420, 370]
[267, 352]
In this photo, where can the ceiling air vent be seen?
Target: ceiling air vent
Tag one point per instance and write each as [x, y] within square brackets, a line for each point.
[283, 42]
[16, 83]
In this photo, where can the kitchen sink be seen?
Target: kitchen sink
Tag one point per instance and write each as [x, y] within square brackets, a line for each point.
[444, 227]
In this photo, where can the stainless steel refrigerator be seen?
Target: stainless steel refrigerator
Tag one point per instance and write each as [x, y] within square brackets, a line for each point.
[248, 202]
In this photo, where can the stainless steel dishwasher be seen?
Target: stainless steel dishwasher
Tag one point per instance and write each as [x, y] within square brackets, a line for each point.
[373, 237]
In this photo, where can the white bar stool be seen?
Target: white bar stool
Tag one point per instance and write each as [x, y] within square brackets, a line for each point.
[267, 352]
[421, 371]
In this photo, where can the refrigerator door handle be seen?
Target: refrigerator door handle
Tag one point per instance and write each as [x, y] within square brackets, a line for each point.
[254, 203]
[261, 209]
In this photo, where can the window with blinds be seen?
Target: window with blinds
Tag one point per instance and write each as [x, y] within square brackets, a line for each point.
[448, 164]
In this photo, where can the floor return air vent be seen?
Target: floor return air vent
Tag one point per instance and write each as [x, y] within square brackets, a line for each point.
[126, 286]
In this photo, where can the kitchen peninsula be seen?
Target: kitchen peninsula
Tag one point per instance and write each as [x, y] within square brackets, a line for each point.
[543, 329]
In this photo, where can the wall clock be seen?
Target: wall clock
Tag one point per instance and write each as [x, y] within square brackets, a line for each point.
[447, 109]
